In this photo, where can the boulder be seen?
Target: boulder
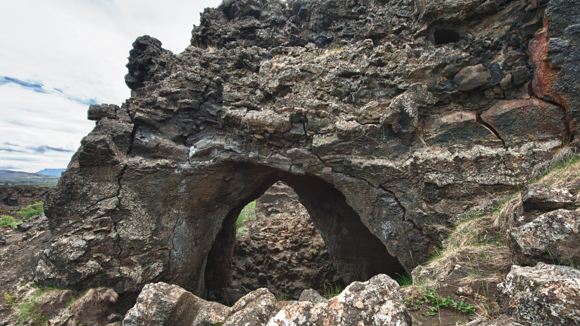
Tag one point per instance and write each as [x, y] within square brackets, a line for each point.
[539, 197]
[312, 296]
[553, 237]
[541, 295]
[54, 300]
[166, 305]
[375, 302]
[93, 308]
[255, 308]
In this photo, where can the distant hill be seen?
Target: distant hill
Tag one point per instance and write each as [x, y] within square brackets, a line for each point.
[23, 178]
[52, 172]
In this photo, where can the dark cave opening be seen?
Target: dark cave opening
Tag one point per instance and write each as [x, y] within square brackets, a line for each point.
[349, 250]
[445, 36]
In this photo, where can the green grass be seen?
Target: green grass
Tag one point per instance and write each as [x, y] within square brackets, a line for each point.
[31, 210]
[404, 279]
[248, 213]
[9, 299]
[8, 220]
[434, 301]
[331, 291]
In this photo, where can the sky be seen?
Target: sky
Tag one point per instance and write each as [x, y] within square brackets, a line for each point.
[58, 57]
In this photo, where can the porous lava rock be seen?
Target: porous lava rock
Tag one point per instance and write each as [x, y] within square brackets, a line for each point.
[552, 238]
[164, 304]
[334, 98]
[533, 201]
[256, 308]
[22, 195]
[376, 302]
[274, 199]
[93, 308]
[542, 295]
[312, 296]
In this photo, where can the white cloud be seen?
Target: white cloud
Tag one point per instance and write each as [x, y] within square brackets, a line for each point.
[79, 48]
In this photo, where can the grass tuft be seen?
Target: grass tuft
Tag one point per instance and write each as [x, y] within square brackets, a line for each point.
[331, 291]
[404, 279]
[8, 220]
[31, 210]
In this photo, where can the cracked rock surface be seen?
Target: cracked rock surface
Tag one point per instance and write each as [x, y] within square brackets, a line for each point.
[388, 118]
[542, 295]
[376, 302]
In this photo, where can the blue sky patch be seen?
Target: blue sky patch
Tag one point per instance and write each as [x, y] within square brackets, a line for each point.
[33, 86]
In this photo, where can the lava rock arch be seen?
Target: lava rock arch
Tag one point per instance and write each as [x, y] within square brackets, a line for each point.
[415, 137]
[356, 253]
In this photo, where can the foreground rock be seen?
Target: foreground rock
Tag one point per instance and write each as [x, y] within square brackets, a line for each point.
[312, 296]
[94, 308]
[256, 308]
[542, 295]
[376, 302]
[553, 237]
[164, 304]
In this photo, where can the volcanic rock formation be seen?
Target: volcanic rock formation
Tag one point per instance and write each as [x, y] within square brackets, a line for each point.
[389, 118]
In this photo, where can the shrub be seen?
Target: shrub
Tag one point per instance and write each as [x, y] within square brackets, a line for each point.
[31, 210]
[8, 220]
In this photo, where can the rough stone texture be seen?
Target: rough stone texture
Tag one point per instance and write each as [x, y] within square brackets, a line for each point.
[552, 238]
[167, 305]
[472, 77]
[312, 296]
[15, 197]
[94, 308]
[376, 302]
[334, 99]
[539, 197]
[533, 201]
[542, 295]
[256, 308]
[555, 55]
[525, 120]
[22, 195]
[54, 300]
[273, 200]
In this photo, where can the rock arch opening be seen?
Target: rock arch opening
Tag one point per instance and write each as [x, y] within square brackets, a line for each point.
[446, 36]
[347, 251]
